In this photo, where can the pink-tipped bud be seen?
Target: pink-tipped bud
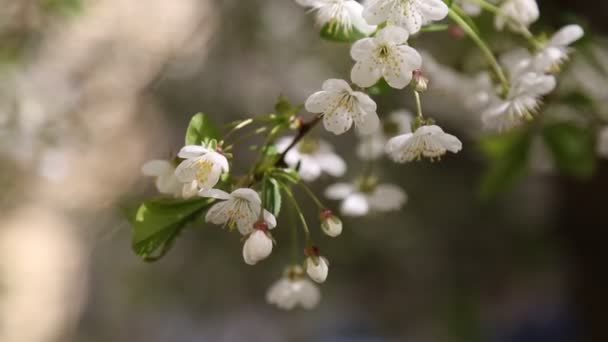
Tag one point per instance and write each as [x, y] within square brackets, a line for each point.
[330, 223]
[419, 81]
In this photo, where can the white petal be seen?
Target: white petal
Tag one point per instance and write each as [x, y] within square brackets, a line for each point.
[369, 123]
[450, 142]
[155, 167]
[377, 11]
[355, 12]
[270, 219]
[309, 294]
[366, 104]
[355, 205]
[247, 215]
[247, 194]
[192, 151]
[339, 191]
[366, 73]
[331, 163]
[433, 9]
[396, 143]
[309, 170]
[218, 159]
[218, 213]
[189, 189]
[186, 170]
[398, 74]
[338, 121]
[257, 247]
[387, 197]
[392, 34]
[403, 119]
[567, 35]
[320, 101]
[214, 193]
[319, 271]
[336, 85]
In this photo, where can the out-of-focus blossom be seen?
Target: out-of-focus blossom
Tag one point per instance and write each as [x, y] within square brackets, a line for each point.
[164, 171]
[365, 197]
[517, 14]
[428, 141]
[344, 14]
[314, 156]
[292, 290]
[372, 146]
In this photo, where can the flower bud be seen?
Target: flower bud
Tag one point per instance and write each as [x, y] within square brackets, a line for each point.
[317, 268]
[419, 81]
[330, 223]
[257, 247]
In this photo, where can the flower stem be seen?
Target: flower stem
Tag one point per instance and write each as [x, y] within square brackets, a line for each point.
[296, 206]
[294, 236]
[311, 194]
[483, 47]
[418, 104]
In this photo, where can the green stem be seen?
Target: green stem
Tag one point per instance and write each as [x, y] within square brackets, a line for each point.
[248, 135]
[294, 236]
[240, 125]
[296, 206]
[311, 194]
[483, 47]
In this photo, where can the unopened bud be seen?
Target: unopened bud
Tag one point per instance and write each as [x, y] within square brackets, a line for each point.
[257, 247]
[317, 268]
[330, 223]
[420, 81]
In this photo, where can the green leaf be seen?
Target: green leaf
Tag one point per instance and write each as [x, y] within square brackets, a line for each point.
[284, 108]
[272, 195]
[508, 155]
[201, 129]
[285, 175]
[335, 32]
[572, 147]
[159, 221]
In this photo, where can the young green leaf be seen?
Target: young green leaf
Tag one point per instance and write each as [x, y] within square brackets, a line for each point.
[285, 175]
[158, 222]
[272, 196]
[201, 129]
[572, 147]
[508, 155]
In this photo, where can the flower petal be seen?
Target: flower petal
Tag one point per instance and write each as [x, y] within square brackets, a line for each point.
[192, 151]
[339, 191]
[218, 213]
[366, 73]
[362, 49]
[320, 101]
[214, 193]
[247, 194]
[336, 85]
[355, 205]
[155, 167]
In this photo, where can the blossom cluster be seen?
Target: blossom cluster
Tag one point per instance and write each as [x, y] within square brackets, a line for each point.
[379, 31]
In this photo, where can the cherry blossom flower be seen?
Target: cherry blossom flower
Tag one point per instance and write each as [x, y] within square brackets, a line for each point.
[258, 245]
[385, 55]
[202, 165]
[521, 103]
[294, 289]
[409, 14]
[516, 14]
[345, 14]
[365, 197]
[314, 157]
[330, 223]
[242, 208]
[371, 146]
[317, 268]
[427, 141]
[164, 171]
[341, 107]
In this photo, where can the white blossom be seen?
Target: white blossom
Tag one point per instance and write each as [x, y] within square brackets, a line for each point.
[345, 14]
[314, 156]
[409, 14]
[341, 107]
[164, 171]
[469, 7]
[557, 50]
[317, 268]
[427, 141]
[292, 290]
[330, 223]
[361, 199]
[602, 142]
[385, 55]
[517, 14]
[202, 165]
[241, 208]
[522, 101]
[257, 247]
[371, 146]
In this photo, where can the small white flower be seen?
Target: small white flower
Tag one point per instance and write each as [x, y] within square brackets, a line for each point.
[360, 199]
[427, 141]
[371, 146]
[517, 14]
[341, 106]
[556, 51]
[258, 245]
[318, 270]
[190, 189]
[602, 142]
[522, 102]
[292, 290]
[330, 223]
[241, 208]
[314, 156]
[409, 14]
[202, 165]
[164, 171]
[385, 55]
[345, 14]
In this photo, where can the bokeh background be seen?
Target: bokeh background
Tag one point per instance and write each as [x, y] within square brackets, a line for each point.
[89, 90]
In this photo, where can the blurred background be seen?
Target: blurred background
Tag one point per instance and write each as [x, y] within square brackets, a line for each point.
[89, 90]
